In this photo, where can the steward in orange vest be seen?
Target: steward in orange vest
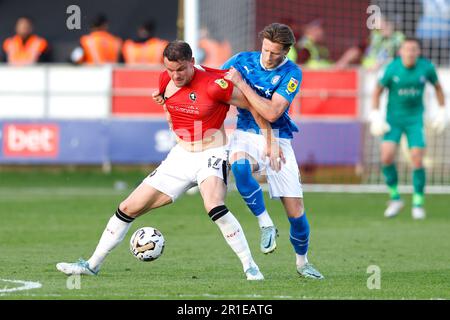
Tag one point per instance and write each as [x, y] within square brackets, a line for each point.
[214, 52]
[25, 48]
[98, 47]
[146, 49]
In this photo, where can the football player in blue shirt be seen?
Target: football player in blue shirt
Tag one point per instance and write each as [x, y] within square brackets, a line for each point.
[270, 82]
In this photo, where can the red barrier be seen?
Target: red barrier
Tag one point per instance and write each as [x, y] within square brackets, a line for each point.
[132, 89]
[323, 94]
[326, 94]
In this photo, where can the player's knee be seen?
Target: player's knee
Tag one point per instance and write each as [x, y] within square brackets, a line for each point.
[241, 169]
[417, 162]
[294, 207]
[387, 159]
[243, 175]
[127, 209]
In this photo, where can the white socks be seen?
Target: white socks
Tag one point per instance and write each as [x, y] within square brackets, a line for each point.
[301, 260]
[114, 233]
[233, 234]
[264, 220]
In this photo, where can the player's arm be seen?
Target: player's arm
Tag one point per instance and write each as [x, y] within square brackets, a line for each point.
[224, 91]
[376, 97]
[440, 94]
[269, 109]
[273, 150]
[378, 124]
[440, 120]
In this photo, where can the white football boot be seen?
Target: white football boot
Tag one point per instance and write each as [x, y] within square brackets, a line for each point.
[253, 273]
[79, 267]
[394, 207]
[418, 213]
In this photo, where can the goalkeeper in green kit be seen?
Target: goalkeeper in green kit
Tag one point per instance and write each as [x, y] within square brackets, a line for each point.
[405, 78]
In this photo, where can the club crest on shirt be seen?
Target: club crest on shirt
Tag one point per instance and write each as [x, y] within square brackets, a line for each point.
[222, 83]
[275, 79]
[192, 96]
[292, 85]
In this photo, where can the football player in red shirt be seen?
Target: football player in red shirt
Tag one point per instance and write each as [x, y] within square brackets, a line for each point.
[197, 101]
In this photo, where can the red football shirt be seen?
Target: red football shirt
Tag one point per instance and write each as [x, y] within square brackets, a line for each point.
[199, 106]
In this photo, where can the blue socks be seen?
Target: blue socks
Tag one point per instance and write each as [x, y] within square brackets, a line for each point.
[248, 187]
[299, 234]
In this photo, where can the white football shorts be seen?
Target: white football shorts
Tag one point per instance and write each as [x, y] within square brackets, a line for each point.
[286, 182]
[181, 170]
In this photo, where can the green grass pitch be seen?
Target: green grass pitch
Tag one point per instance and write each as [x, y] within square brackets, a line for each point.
[47, 218]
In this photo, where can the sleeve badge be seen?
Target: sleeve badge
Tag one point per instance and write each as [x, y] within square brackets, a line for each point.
[222, 83]
[292, 85]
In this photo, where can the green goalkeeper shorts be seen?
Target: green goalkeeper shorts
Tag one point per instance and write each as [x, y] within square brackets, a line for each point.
[414, 131]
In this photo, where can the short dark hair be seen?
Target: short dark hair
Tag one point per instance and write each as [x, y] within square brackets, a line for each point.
[149, 26]
[178, 51]
[99, 20]
[278, 33]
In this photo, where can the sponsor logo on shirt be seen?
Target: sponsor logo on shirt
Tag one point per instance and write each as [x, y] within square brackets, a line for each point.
[292, 85]
[222, 83]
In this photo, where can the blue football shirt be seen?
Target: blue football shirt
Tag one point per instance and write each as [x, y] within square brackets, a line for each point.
[284, 80]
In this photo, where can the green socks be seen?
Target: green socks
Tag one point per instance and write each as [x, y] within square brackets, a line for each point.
[393, 192]
[419, 180]
[418, 199]
[391, 178]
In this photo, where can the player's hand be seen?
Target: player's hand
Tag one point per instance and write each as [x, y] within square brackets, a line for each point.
[275, 155]
[440, 121]
[158, 98]
[378, 125]
[234, 76]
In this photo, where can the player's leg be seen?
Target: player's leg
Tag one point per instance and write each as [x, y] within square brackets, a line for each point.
[213, 190]
[246, 149]
[388, 152]
[299, 236]
[416, 142]
[141, 200]
[286, 185]
[243, 165]
[161, 187]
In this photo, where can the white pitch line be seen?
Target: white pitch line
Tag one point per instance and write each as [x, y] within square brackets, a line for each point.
[26, 285]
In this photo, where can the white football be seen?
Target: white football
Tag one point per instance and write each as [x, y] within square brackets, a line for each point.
[147, 244]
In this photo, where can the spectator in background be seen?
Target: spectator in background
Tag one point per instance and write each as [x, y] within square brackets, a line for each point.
[214, 53]
[381, 46]
[433, 30]
[98, 47]
[146, 48]
[311, 51]
[25, 48]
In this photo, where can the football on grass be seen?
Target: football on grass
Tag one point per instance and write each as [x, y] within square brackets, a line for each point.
[147, 244]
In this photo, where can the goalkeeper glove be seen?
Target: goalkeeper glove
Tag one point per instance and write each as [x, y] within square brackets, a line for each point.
[440, 121]
[378, 125]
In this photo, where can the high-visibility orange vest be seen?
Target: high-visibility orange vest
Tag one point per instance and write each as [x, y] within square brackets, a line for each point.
[20, 53]
[147, 52]
[216, 53]
[100, 47]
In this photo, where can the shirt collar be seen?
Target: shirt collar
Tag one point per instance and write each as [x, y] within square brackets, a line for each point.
[262, 65]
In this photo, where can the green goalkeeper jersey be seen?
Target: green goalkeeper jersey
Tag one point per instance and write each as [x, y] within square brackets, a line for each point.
[406, 87]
